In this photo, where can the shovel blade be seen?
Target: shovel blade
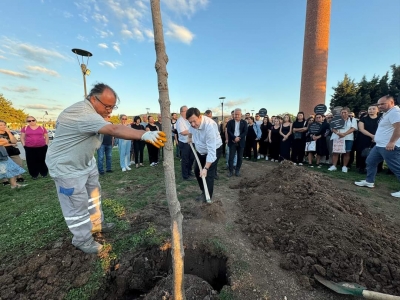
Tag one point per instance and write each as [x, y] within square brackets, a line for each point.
[346, 288]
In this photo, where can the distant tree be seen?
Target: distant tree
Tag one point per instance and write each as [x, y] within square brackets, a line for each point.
[394, 85]
[292, 116]
[114, 119]
[10, 114]
[345, 93]
[383, 86]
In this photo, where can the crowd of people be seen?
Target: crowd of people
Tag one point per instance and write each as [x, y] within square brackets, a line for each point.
[85, 127]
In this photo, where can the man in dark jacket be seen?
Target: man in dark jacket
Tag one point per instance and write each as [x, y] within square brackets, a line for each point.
[237, 131]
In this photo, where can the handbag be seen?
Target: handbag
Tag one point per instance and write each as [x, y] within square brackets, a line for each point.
[339, 146]
[366, 151]
[310, 146]
[13, 151]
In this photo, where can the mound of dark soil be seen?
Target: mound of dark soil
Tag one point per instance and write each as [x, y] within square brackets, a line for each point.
[319, 229]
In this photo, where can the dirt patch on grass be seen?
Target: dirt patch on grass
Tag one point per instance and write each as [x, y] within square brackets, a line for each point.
[319, 229]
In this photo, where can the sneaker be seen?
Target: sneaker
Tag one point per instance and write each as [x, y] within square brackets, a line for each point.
[294, 164]
[319, 166]
[396, 194]
[189, 179]
[262, 156]
[365, 183]
[109, 171]
[101, 173]
[266, 158]
[21, 179]
[258, 157]
[271, 160]
[300, 164]
[91, 247]
[311, 166]
[123, 169]
[17, 186]
[132, 163]
[201, 197]
[6, 183]
[152, 164]
[128, 168]
[344, 169]
[332, 168]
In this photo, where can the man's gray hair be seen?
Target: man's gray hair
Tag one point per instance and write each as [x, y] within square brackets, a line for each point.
[180, 110]
[238, 109]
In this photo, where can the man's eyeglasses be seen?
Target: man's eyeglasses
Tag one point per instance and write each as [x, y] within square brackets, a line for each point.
[112, 107]
[124, 119]
[31, 121]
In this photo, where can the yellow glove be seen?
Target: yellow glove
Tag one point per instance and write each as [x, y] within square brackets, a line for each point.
[156, 138]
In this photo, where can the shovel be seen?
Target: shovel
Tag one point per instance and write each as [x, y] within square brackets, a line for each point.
[349, 288]
[207, 194]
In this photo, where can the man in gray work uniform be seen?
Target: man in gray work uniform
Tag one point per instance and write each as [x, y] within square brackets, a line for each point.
[71, 163]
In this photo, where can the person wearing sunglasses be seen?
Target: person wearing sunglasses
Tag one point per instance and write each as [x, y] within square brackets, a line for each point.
[71, 162]
[35, 139]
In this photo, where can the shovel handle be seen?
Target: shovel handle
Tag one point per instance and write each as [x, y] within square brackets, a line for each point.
[378, 296]
[207, 194]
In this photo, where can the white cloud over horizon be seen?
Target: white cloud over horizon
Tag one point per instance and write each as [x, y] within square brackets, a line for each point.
[43, 70]
[13, 73]
[180, 33]
[20, 89]
[110, 64]
[103, 45]
[116, 47]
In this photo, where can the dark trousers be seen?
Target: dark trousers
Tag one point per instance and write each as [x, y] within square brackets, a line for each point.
[138, 147]
[187, 157]
[298, 152]
[251, 144]
[274, 149]
[35, 160]
[210, 173]
[153, 153]
[235, 149]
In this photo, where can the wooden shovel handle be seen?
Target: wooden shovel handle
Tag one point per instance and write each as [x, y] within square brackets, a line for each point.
[208, 198]
[378, 296]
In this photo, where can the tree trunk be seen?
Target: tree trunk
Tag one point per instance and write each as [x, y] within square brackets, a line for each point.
[173, 203]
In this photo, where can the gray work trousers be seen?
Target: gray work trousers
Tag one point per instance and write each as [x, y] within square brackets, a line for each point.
[80, 200]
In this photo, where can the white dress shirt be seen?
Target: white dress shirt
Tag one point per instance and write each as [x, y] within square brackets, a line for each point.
[182, 125]
[207, 138]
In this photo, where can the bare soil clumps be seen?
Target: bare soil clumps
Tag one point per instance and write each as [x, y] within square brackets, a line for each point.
[320, 229]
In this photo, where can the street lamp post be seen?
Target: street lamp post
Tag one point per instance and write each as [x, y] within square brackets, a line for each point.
[148, 110]
[252, 112]
[45, 114]
[85, 70]
[222, 106]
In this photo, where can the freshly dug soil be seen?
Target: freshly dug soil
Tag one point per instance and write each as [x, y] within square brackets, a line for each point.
[319, 229]
[195, 288]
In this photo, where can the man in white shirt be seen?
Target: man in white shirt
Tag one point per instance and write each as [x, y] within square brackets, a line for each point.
[206, 137]
[350, 125]
[187, 157]
[387, 139]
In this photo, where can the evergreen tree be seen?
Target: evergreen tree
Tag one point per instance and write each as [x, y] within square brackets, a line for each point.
[345, 93]
[394, 85]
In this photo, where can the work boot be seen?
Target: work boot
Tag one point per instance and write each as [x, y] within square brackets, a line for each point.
[201, 197]
[105, 227]
[237, 173]
[91, 247]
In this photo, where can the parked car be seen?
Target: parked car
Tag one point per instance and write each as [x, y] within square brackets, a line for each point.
[16, 135]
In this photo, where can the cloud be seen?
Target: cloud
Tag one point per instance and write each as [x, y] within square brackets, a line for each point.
[2, 57]
[38, 54]
[104, 34]
[37, 106]
[116, 47]
[236, 103]
[186, 7]
[81, 38]
[103, 45]
[99, 18]
[149, 33]
[43, 70]
[12, 73]
[135, 33]
[67, 15]
[180, 33]
[110, 64]
[20, 89]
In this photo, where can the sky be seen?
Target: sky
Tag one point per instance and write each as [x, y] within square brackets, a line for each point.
[247, 51]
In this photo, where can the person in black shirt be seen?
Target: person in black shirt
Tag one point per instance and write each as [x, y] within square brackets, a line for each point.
[299, 139]
[264, 143]
[138, 145]
[153, 150]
